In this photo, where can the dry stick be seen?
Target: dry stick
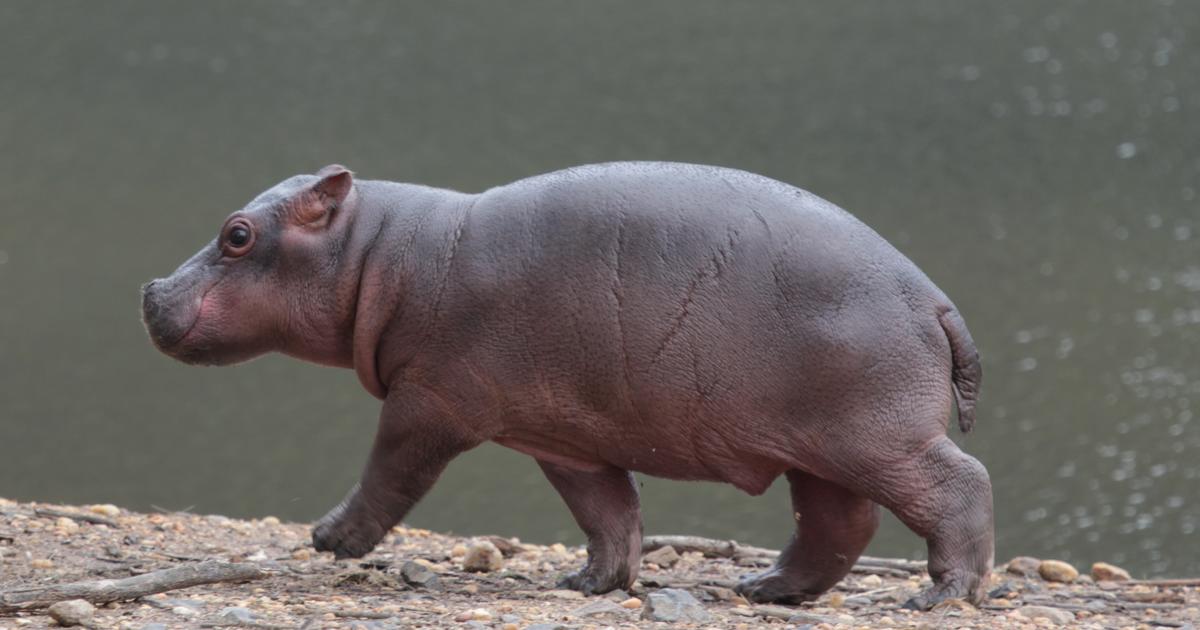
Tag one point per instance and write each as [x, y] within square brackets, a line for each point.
[1168, 583]
[76, 516]
[103, 591]
[731, 549]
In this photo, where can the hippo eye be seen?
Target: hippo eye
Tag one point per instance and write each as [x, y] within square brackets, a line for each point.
[238, 239]
[239, 236]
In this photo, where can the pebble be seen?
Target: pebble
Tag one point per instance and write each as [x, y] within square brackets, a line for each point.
[236, 615]
[302, 554]
[73, 612]
[184, 611]
[483, 557]
[871, 580]
[631, 603]
[1057, 571]
[105, 509]
[270, 520]
[67, 525]
[475, 614]
[416, 574]
[665, 557]
[1024, 566]
[674, 605]
[458, 551]
[41, 563]
[546, 626]
[1103, 571]
[1056, 615]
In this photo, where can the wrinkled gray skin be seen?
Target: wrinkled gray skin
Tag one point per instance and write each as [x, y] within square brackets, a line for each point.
[682, 321]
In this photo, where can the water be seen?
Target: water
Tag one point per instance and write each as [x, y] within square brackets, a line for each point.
[1037, 160]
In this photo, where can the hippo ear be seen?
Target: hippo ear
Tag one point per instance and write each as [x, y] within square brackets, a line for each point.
[324, 196]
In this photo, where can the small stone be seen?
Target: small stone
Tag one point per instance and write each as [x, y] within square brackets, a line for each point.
[665, 557]
[41, 563]
[510, 626]
[184, 611]
[1023, 566]
[73, 612]
[483, 557]
[458, 551]
[67, 525]
[270, 520]
[475, 614]
[871, 580]
[302, 554]
[105, 509]
[887, 621]
[674, 605]
[1057, 571]
[417, 574]
[631, 603]
[546, 626]
[1105, 572]
[155, 626]
[236, 615]
[837, 600]
[1055, 615]
[598, 607]
[558, 548]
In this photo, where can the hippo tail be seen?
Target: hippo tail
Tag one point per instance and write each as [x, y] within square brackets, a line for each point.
[966, 372]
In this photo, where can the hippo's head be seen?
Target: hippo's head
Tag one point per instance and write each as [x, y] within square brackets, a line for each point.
[268, 278]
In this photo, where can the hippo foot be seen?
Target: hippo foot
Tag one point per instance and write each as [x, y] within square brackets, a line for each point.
[347, 534]
[952, 585]
[775, 587]
[592, 580]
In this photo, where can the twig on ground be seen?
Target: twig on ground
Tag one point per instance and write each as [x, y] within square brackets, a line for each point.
[1167, 583]
[731, 549]
[103, 591]
[364, 614]
[76, 516]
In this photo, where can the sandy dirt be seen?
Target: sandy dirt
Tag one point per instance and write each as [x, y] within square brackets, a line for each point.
[416, 579]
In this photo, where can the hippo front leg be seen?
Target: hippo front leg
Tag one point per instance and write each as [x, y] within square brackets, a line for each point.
[605, 505]
[415, 440]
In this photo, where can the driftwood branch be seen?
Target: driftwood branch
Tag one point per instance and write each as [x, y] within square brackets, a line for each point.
[76, 516]
[733, 550]
[103, 591]
[1167, 583]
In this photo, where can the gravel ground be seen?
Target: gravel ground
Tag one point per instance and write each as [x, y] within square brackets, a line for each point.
[416, 579]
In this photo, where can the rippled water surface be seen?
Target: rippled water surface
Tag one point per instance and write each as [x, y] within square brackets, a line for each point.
[1039, 160]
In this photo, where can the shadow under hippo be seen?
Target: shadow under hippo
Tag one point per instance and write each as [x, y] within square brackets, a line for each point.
[682, 321]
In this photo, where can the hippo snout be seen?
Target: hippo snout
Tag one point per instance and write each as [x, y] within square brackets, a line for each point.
[165, 320]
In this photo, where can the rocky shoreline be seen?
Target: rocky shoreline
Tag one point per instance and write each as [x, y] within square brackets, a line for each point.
[263, 573]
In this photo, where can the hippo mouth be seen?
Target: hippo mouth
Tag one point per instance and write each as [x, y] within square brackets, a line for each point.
[162, 321]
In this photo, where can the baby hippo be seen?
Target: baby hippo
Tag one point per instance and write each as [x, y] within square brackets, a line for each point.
[682, 321]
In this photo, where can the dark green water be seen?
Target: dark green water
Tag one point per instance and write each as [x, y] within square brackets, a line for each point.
[1040, 160]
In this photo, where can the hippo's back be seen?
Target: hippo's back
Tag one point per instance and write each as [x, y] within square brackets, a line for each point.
[658, 293]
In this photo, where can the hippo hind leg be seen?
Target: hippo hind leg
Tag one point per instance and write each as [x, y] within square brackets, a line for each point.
[944, 496]
[605, 505]
[833, 526]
